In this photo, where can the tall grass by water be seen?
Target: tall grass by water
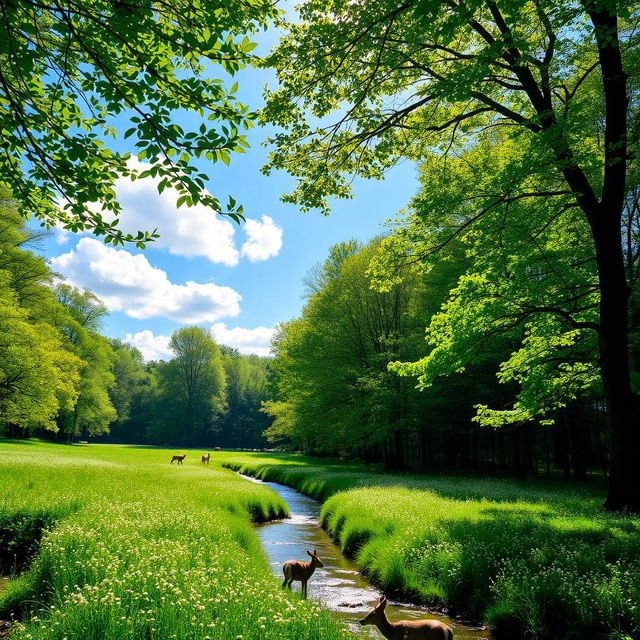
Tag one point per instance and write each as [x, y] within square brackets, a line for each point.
[533, 559]
[116, 543]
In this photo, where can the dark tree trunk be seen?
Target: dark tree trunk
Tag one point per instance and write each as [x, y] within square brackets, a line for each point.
[622, 420]
[606, 227]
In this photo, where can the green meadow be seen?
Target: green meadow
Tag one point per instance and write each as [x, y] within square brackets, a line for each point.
[535, 559]
[113, 542]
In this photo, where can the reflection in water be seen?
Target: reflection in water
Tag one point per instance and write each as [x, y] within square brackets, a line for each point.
[339, 585]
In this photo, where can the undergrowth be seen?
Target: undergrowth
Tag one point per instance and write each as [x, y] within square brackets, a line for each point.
[132, 547]
[533, 559]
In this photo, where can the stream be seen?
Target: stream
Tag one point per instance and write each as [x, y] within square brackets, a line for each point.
[339, 585]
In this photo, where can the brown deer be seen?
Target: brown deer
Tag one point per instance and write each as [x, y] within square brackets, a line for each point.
[300, 571]
[406, 629]
[205, 459]
[178, 458]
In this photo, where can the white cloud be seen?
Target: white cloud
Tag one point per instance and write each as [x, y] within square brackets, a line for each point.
[151, 346]
[128, 283]
[61, 235]
[256, 340]
[264, 239]
[188, 231]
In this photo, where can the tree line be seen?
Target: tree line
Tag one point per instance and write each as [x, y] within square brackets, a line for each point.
[522, 114]
[60, 378]
[350, 377]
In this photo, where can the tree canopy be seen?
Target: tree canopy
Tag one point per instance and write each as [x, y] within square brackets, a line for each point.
[554, 86]
[72, 73]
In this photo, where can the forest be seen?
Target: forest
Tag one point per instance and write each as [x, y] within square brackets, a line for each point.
[430, 208]
[493, 327]
[62, 379]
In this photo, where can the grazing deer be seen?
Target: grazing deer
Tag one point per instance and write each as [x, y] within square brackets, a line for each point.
[217, 449]
[302, 571]
[406, 629]
[178, 458]
[205, 459]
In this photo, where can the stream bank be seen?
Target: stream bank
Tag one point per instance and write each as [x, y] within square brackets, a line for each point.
[339, 586]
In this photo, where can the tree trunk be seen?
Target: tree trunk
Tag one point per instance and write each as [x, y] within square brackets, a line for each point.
[605, 221]
[622, 422]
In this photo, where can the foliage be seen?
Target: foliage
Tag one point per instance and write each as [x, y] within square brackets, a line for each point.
[554, 86]
[93, 411]
[141, 549]
[531, 558]
[39, 376]
[463, 72]
[536, 286]
[131, 379]
[191, 389]
[242, 423]
[332, 391]
[71, 74]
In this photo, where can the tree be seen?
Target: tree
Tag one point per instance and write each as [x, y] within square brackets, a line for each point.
[130, 378]
[38, 374]
[434, 78]
[191, 388]
[242, 424]
[79, 320]
[69, 71]
[332, 390]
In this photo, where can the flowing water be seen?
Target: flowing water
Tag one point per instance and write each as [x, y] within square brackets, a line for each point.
[339, 585]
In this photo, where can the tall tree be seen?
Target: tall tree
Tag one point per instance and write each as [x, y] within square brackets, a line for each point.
[39, 375]
[436, 77]
[80, 319]
[332, 390]
[242, 424]
[131, 378]
[191, 388]
[70, 71]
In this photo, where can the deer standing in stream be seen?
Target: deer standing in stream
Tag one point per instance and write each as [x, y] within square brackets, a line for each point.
[300, 571]
[406, 629]
[178, 458]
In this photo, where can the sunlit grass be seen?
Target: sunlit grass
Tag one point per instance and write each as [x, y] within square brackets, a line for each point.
[135, 548]
[534, 559]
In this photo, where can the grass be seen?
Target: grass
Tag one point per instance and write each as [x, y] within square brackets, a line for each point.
[119, 544]
[533, 559]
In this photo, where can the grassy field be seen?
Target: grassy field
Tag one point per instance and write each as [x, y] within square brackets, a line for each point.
[533, 559]
[110, 542]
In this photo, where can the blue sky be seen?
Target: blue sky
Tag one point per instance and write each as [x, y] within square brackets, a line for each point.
[239, 280]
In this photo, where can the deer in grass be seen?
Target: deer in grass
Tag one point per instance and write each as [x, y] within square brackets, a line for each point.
[205, 459]
[406, 629]
[178, 458]
[300, 571]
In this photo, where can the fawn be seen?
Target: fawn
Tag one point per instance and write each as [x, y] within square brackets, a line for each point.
[302, 571]
[406, 629]
[205, 459]
[178, 458]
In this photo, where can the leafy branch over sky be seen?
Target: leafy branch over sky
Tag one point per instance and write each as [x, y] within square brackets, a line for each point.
[72, 72]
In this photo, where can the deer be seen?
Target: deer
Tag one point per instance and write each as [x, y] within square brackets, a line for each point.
[300, 571]
[406, 629]
[205, 459]
[178, 458]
